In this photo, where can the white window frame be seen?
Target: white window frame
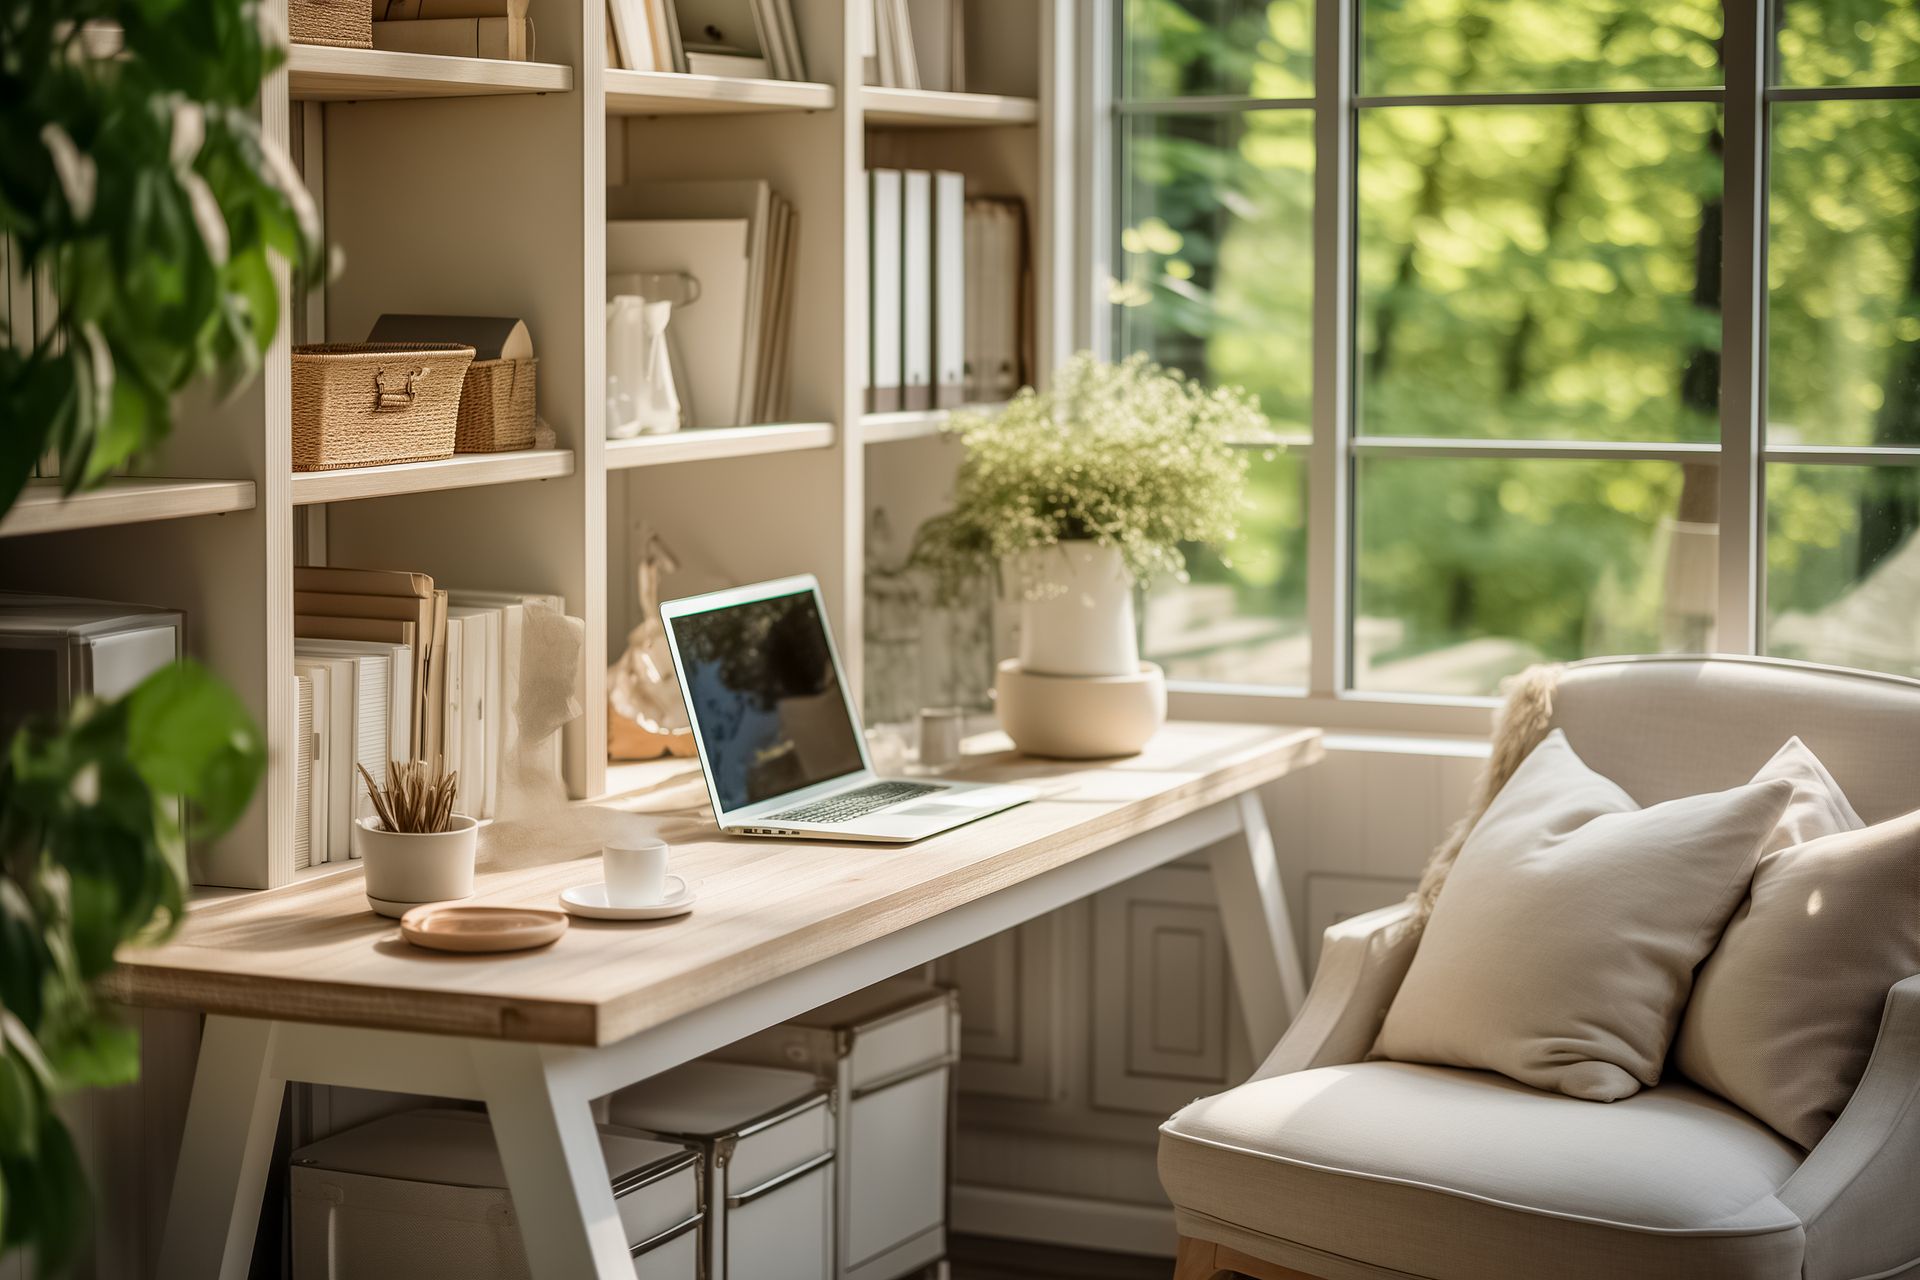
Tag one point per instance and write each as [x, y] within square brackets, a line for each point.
[1740, 453]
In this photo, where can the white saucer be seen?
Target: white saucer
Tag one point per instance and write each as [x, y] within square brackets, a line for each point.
[590, 901]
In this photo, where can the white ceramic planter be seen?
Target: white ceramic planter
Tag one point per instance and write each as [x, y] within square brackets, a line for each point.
[1077, 615]
[408, 869]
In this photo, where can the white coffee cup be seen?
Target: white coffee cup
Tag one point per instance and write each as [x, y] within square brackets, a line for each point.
[635, 871]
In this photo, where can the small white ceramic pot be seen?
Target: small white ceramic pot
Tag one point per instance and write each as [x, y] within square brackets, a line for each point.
[411, 868]
[1080, 717]
[1076, 618]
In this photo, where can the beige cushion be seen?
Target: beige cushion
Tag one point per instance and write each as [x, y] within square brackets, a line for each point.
[1785, 1012]
[1390, 1168]
[1563, 946]
[1818, 808]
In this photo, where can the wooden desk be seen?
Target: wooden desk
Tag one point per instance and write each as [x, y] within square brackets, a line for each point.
[304, 983]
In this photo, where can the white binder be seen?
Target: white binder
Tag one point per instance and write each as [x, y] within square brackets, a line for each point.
[334, 715]
[883, 290]
[304, 844]
[949, 289]
[916, 289]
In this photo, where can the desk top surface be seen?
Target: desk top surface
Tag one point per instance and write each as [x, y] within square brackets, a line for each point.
[312, 951]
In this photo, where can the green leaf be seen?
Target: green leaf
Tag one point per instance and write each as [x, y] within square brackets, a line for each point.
[191, 738]
[99, 1055]
[19, 1109]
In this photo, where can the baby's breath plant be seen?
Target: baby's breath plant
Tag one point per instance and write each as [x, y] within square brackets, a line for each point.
[1129, 455]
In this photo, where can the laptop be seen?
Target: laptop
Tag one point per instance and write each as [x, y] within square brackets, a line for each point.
[780, 742]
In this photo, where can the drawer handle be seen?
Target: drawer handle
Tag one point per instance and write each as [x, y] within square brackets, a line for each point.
[385, 401]
[780, 1180]
[671, 1233]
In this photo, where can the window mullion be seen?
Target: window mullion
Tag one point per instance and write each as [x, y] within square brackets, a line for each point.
[1329, 466]
[1743, 353]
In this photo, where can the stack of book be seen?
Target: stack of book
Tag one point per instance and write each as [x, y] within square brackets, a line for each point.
[947, 293]
[29, 309]
[738, 240]
[388, 666]
[740, 38]
[916, 44]
[458, 28]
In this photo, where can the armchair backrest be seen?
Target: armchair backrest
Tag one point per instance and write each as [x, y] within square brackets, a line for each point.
[1664, 727]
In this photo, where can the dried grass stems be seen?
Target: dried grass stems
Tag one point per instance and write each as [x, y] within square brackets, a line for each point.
[418, 797]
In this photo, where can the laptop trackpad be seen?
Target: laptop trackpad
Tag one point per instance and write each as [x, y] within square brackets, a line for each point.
[933, 809]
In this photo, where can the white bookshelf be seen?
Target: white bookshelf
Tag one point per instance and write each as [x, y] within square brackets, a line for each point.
[913, 424]
[320, 73]
[476, 186]
[934, 109]
[716, 443]
[42, 509]
[663, 93]
[461, 471]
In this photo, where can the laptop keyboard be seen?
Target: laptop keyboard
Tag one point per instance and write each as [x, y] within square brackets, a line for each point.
[856, 803]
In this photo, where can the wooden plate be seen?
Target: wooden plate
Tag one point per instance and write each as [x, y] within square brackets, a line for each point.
[451, 928]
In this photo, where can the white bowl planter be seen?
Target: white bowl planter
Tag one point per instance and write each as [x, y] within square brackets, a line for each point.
[1076, 616]
[1080, 717]
[408, 868]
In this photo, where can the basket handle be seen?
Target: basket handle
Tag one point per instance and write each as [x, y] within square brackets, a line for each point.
[385, 401]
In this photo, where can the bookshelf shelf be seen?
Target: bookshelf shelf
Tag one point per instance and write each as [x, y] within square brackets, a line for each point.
[666, 93]
[320, 73]
[130, 501]
[911, 424]
[933, 109]
[462, 471]
[717, 442]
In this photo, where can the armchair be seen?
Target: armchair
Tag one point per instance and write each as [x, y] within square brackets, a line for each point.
[1325, 1166]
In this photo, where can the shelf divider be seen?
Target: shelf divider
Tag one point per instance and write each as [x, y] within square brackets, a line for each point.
[670, 93]
[323, 73]
[131, 500]
[935, 109]
[461, 471]
[708, 443]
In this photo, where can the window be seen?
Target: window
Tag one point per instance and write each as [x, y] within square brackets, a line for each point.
[1609, 279]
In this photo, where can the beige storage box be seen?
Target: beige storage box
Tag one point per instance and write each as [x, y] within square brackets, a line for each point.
[889, 1052]
[767, 1135]
[421, 1196]
[361, 404]
[336, 22]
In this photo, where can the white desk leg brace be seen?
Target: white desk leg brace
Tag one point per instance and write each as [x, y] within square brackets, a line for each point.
[1259, 929]
[222, 1173]
[556, 1171]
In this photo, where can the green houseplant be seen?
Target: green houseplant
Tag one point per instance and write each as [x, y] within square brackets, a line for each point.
[135, 180]
[1077, 494]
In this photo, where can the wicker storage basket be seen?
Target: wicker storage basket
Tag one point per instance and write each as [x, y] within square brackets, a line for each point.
[338, 22]
[364, 404]
[496, 407]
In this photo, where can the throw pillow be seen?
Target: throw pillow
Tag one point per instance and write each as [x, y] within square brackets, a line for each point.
[1785, 1012]
[1563, 946]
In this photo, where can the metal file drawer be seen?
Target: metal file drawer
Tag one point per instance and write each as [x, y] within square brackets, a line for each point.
[768, 1138]
[889, 1051]
[422, 1195]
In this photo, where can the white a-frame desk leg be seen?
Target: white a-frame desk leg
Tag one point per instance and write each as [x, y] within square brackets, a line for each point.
[222, 1174]
[1259, 929]
[556, 1171]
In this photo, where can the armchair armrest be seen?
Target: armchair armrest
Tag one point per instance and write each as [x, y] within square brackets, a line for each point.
[1855, 1191]
[1362, 962]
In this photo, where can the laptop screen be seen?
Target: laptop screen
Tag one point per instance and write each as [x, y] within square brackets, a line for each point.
[765, 697]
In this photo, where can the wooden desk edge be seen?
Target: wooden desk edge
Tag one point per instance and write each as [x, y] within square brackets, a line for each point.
[587, 1023]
